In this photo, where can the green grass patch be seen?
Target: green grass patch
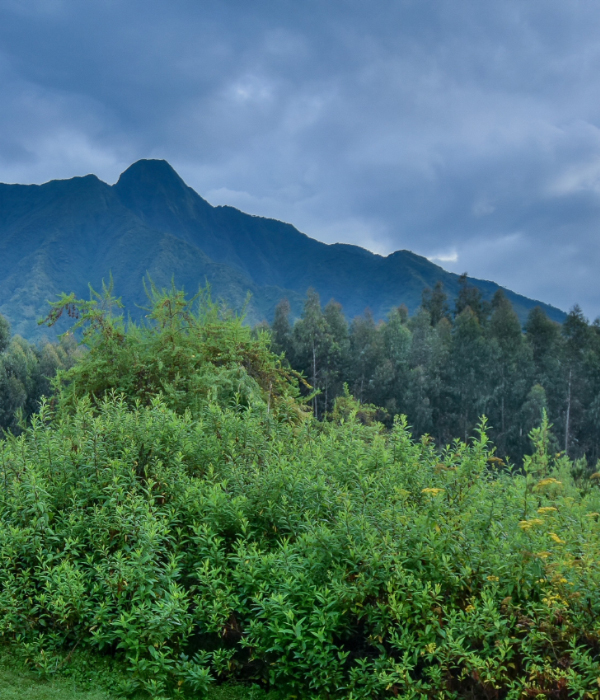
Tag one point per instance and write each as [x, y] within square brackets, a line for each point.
[18, 683]
[87, 677]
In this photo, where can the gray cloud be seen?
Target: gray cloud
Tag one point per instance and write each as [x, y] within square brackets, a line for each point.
[466, 131]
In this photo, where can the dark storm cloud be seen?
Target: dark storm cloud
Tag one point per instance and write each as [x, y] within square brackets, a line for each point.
[465, 131]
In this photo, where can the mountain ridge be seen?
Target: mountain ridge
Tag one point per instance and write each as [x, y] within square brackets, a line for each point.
[64, 234]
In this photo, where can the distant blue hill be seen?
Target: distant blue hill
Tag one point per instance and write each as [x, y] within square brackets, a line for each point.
[64, 234]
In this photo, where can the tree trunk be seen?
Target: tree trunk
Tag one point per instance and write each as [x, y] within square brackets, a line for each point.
[502, 410]
[314, 377]
[568, 417]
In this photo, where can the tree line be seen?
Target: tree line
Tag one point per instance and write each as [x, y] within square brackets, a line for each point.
[445, 367]
[442, 367]
[26, 372]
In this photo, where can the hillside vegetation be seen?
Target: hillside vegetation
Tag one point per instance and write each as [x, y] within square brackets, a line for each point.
[63, 234]
[177, 508]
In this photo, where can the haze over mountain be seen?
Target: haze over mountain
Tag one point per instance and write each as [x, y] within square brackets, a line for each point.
[64, 234]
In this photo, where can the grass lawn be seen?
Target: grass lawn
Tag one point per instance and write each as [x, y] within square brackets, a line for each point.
[18, 683]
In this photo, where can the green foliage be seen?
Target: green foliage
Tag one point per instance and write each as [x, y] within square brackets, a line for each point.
[194, 529]
[190, 351]
[445, 373]
[26, 372]
[4, 333]
[324, 559]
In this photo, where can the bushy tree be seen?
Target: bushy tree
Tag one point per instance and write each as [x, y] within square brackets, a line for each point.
[189, 351]
[323, 560]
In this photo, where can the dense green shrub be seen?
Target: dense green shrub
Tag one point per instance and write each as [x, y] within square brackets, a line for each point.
[188, 350]
[205, 538]
[333, 560]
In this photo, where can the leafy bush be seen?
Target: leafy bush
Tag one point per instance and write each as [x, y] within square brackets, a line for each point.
[189, 351]
[327, 560]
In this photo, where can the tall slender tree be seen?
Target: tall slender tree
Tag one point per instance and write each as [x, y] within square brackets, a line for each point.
[282, 330]
[337, 357]
[512, 369]
[435, 301]
[471, 297]
[366, 348]
[4, 333]
[578, 337]
[311, 340]
[468, 372]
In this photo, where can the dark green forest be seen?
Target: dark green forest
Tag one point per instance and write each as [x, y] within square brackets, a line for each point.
[446, 367]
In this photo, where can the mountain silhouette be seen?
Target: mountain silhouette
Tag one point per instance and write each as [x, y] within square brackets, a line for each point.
[64, 234]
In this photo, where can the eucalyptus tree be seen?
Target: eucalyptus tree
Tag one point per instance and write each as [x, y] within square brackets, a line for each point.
[512, 371]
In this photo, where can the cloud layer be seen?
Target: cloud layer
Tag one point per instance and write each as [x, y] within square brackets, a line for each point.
[465, 131]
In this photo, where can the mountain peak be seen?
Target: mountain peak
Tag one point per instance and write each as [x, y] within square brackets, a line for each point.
[154, 186]
[150, 173]
[156, 193]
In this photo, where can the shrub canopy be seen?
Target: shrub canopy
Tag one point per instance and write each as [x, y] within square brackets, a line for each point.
[190, 351]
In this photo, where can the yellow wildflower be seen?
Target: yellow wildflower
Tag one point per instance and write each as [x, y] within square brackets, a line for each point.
[548, 482]
[546, 509]
[555, 537]
[432, 491]
[493, 578]
[528, 524]
[555, 599]
[542, 555]
[496, 460]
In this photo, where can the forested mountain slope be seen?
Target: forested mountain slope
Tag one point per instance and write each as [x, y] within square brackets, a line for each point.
[64, 234]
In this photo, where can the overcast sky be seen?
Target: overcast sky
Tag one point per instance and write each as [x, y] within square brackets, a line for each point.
[466, 131]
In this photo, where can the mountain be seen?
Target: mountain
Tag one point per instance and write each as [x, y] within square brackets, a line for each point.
[64, 234]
